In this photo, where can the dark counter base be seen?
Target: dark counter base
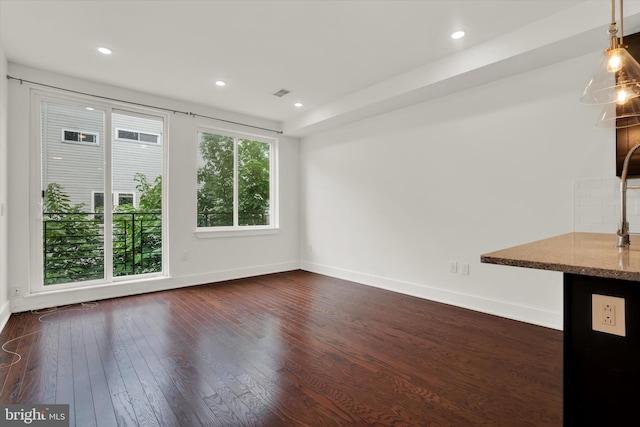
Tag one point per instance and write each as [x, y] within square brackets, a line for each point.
[601, 371]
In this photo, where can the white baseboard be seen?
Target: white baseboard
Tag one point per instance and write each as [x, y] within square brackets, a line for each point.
[72, 296]
[219, 276]
[499, 308]
[5, 313]
[121, 289]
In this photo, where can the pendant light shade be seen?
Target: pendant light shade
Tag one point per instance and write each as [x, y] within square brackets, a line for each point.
[620, 116]
[616, 82]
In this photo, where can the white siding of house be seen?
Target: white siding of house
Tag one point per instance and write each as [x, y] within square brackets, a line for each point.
[78, 168]
[131, 157]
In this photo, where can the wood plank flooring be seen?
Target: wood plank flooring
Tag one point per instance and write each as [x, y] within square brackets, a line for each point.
[288, 349]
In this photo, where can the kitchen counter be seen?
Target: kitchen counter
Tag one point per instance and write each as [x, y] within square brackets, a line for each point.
[588, 254]
[601, 368]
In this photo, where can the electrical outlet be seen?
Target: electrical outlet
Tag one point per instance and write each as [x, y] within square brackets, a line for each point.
[453, 266]
[608, 314]
[464, 269]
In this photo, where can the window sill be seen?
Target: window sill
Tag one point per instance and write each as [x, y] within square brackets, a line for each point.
[212, 233]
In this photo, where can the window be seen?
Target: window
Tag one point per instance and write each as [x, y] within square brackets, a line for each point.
[235, 181]
[79, 137]
[125, 199]
[118, 199]
[98, 201]
[130, 135]
[102, 215]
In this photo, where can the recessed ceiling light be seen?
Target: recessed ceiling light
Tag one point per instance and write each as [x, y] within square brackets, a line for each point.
[57, 158]
[221, 83]
[298, 104]
[104, 51]
[90, 108]
[458, 34]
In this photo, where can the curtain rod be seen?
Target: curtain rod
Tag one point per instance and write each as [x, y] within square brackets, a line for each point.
[187, 113]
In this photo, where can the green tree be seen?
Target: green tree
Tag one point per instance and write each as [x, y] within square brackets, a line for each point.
[73, 238]
[137, 243]
[73, 243]
[150, 193]
[253, 182]
[216, 181]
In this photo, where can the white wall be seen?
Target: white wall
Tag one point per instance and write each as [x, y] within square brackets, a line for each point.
[387, 201]
[191, 260]
[391, 200]
[4, 300]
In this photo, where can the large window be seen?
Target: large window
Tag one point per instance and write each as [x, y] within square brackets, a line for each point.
[235, 181]
[84, 237]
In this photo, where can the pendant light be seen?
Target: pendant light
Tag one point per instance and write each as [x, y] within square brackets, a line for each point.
[616, 81]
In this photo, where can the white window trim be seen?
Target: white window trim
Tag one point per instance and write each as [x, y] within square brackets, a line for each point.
[137, 140]
[92, 144]
[215, 232]
[116, 197]
[246, 230]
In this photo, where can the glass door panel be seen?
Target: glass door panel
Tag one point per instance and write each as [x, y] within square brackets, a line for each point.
[73, 193]
[137, 163]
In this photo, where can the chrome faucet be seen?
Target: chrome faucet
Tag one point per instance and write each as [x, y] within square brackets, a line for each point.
[623, 230]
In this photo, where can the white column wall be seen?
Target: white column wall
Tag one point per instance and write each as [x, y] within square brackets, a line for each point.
[4, 107]
[191, 260]
[391, 200]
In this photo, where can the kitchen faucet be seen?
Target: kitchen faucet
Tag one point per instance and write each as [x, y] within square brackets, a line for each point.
[623, 231]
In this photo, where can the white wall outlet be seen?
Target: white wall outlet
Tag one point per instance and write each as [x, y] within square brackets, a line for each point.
[464, 269]
[453, 266]
[608, 315]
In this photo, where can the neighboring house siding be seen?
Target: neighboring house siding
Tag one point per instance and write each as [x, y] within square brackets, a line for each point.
[78, 168]
[131, 157]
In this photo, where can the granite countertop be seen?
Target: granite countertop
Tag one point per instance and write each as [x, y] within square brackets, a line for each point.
[589, 254]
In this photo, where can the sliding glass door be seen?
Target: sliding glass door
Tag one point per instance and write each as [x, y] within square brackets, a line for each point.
[101, 189]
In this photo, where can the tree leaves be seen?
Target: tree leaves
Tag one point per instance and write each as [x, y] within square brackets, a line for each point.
[216, 181]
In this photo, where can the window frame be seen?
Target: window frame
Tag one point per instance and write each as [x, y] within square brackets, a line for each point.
[243, 230]
[68, 141]
[139, 132]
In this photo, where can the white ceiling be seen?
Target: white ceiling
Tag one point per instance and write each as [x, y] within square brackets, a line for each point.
[343, 59]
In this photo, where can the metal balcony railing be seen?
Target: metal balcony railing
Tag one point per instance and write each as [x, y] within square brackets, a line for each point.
[73, 245]
[221, 219]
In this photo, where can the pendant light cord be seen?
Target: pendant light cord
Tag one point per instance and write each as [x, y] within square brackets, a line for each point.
[186, 113]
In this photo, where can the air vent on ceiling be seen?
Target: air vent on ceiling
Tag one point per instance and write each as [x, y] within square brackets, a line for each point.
[281, 93]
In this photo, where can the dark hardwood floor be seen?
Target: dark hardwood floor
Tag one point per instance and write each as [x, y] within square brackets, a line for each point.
[289, 349]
